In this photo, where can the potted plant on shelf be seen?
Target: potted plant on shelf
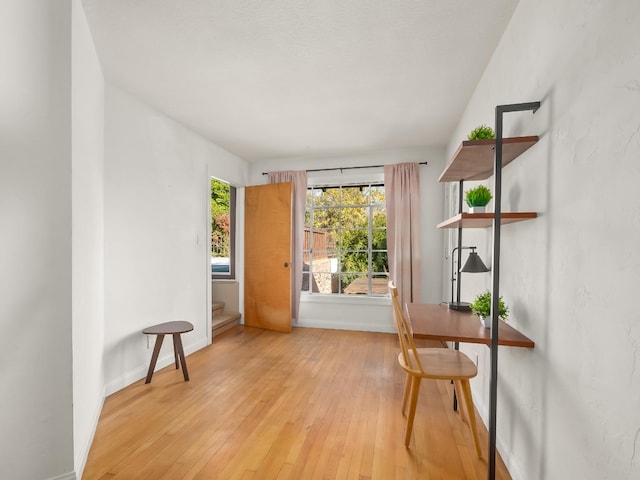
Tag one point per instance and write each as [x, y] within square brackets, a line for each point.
[477, 198]
[481, 306]
[481, 133]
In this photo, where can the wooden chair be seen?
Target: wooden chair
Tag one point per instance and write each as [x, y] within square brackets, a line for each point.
[431, 363]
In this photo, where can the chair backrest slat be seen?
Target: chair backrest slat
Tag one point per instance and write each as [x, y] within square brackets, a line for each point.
[407, 344]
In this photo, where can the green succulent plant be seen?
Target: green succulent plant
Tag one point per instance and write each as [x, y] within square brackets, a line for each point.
[481, 133]
[481, 306]
[478, 196]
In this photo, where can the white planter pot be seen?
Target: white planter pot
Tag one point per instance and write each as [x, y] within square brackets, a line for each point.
[486, 321]
[477, 209]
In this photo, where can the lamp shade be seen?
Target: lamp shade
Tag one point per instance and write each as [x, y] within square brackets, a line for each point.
[474, 264]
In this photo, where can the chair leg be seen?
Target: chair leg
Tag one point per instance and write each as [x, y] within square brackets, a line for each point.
[154, 357]
[405, 395]
[466, 391]
[458, 392]
[180, 352]
[175, 351]
[415, 390]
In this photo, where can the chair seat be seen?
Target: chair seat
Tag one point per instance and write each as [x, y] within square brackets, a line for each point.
[441, 363]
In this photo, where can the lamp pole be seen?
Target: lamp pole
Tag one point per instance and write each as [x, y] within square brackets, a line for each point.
[455, 275]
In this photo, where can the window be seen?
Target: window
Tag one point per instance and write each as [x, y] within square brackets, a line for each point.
[223, 217]
[345, 242]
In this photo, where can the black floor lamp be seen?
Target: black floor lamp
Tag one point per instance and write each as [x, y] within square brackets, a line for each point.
[474, 264]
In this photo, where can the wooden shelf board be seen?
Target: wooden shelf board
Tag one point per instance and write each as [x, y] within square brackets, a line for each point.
[484, 220]
[474, 158]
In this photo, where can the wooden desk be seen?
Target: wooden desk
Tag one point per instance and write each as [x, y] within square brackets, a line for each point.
[437, 322]
[168, 328]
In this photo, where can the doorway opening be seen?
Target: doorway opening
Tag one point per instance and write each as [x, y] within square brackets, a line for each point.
[224, 288]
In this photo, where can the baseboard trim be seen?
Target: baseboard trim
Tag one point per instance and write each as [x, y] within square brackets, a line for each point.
[342, 324]
[512, 465]
[140, 372]
[65, 476]
[82, 461]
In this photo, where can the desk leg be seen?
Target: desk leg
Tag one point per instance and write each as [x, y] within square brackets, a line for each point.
[456, 346]
[177, 342]
[154, 357]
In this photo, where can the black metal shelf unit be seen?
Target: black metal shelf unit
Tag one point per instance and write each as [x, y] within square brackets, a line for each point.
[472, 161]
[495, 274]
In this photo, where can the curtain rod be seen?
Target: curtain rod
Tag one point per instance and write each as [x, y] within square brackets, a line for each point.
[345, 168]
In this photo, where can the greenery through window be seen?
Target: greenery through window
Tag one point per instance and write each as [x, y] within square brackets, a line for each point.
[345, 241]
[223, 199]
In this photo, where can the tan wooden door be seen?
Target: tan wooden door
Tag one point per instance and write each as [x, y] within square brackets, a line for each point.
[267, 256]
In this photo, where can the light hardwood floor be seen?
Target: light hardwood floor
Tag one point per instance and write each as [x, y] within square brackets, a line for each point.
[311, 404]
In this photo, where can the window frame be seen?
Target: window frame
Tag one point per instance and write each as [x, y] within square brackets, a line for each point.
[232, 237]
[371, 208]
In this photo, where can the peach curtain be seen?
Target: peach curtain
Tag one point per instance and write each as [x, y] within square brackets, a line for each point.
[299, 180]
[402, 192]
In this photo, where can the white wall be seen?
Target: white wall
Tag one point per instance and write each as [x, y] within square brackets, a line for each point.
[156, 215]
[35, 244]
[569, 407]
[87, 117]
[372, 314]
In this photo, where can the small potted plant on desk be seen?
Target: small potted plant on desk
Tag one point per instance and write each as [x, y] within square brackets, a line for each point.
[481, 306]
[477, 198]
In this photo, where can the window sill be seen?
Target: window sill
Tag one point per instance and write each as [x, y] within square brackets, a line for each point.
[344, 299]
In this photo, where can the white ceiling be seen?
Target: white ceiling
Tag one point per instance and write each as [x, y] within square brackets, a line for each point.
[289, 78]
